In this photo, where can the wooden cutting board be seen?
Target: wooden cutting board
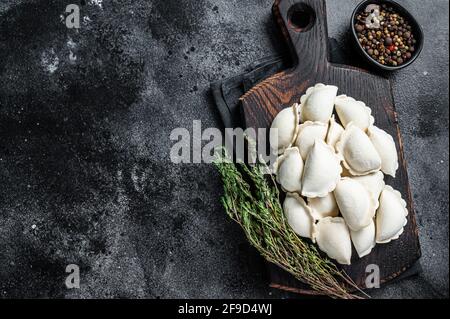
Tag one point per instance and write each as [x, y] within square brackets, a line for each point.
[304, 26]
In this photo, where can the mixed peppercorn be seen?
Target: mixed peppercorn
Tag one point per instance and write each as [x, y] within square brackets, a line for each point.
[385, 35]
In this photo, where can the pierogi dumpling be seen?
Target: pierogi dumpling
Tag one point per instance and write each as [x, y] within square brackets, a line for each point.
[364, 239]
[374, 183]
[333, 238]
[357, 151]
[355, 203]
[299, 216]
[322, 171]
[333, 174]
[308, 132]
[324, 206]
[335, 131]
[289, 170]
[284, 129]
[385, 146]
[349, 110]
[391, 215]
[318, 103]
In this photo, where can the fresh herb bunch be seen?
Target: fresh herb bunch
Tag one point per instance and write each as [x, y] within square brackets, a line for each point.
[252, 200]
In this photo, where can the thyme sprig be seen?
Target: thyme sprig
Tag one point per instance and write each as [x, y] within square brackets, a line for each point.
[252, 199]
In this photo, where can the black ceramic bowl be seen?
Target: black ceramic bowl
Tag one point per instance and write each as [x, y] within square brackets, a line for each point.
[416, 31]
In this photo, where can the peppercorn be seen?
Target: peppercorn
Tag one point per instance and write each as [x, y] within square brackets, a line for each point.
[390, 44]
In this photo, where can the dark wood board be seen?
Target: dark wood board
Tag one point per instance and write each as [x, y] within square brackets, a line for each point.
[262, 103]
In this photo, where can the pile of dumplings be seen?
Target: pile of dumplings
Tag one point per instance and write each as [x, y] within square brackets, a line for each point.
[333, 174]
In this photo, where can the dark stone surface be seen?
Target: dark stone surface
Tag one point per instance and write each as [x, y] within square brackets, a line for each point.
[85, 171]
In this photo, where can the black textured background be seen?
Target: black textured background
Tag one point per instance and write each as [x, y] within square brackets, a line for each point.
[85, 174]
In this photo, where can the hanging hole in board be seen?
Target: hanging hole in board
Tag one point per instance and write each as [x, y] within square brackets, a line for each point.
[301, 17]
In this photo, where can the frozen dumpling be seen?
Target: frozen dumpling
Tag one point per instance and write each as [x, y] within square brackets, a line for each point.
[324, 206]
[355, 203]
[391, 216]
[322, 171]
[374, 183]
[318, 103]
[335, 131]
[307, 134]
[364, 239]
[333, 238]
[385, 145]
[284, 129]
[299, 216]
[332, 168]
[357, 151]
[349, 110]
[289, 170]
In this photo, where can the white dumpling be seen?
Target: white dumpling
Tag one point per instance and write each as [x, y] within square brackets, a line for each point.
[364, 239]
[355, 203]
[284, 129]
[324, 206]
[322, 171]
[299, 216]
[357, 152]
[391, 216]
[289, 170]
[307, 134]
[349, 110]
[318, 103]
[334, 132]
[333, 238]
[374, 183]
[385, 145]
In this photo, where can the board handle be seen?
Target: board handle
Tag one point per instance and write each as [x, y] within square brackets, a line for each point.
[304, 23]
